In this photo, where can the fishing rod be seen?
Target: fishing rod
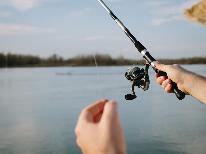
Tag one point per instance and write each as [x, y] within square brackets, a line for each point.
[146, 55]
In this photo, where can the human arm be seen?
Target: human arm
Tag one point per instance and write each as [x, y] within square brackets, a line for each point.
[99, 131]
[188, 82]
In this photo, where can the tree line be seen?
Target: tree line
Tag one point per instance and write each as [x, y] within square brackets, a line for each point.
[19, 60]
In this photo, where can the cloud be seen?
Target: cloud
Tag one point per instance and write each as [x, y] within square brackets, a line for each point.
[17, 29]
[161, 21]
[165, 11]
[4, 14]
[100, 37]
[25, 4]
[22, 5]
[79, 13]
[115, 1]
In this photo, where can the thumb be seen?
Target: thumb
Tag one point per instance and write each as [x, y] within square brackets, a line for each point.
[161, 67]
[110, 112]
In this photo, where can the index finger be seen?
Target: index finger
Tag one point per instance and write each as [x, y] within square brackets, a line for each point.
[96, 107]
[161, 67]
[94, 110]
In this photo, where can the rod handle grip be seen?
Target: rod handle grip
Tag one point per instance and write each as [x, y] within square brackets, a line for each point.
[179, 94]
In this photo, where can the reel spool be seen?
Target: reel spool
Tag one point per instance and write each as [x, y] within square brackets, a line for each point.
[139, 78]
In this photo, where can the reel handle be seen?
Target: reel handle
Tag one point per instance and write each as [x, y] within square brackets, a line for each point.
[130, 97]
[179, 94]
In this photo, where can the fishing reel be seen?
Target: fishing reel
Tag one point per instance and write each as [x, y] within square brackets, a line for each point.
[139, 78]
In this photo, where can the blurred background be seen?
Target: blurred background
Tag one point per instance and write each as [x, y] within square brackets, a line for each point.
[69, 28]
[39, 106]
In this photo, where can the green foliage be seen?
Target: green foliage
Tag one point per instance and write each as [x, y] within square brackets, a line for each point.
[193, 60]
[17, 60]
[100, 60]
[13, 60]
[54, 60]
[21, 60]
[2, 60]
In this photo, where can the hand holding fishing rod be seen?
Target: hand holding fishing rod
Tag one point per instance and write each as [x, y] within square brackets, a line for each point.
[150, 60]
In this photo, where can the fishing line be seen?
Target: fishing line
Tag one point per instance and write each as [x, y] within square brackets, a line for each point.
[98, 91]
[95, 60]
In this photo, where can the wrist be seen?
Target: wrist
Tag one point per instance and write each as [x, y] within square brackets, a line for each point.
[188, 83]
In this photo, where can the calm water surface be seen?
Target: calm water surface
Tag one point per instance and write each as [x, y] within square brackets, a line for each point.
[39, 108]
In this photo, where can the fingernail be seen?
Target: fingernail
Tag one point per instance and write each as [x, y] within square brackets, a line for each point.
[104, 100]
[113, 103]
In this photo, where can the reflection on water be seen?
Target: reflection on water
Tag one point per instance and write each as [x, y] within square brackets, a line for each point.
[39, 108]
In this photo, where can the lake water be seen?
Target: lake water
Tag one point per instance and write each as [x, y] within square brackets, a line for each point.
[39, 108]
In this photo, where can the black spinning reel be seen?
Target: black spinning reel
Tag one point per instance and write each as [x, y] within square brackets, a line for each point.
[139, 78]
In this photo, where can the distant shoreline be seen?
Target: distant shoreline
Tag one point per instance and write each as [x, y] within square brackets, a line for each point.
[17, 60]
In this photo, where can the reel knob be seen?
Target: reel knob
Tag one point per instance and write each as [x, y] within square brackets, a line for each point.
[130, 97]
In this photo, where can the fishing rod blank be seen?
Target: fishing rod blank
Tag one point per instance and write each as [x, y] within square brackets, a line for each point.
[179, 94]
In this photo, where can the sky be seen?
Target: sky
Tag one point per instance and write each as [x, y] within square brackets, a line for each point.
[75, 27]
